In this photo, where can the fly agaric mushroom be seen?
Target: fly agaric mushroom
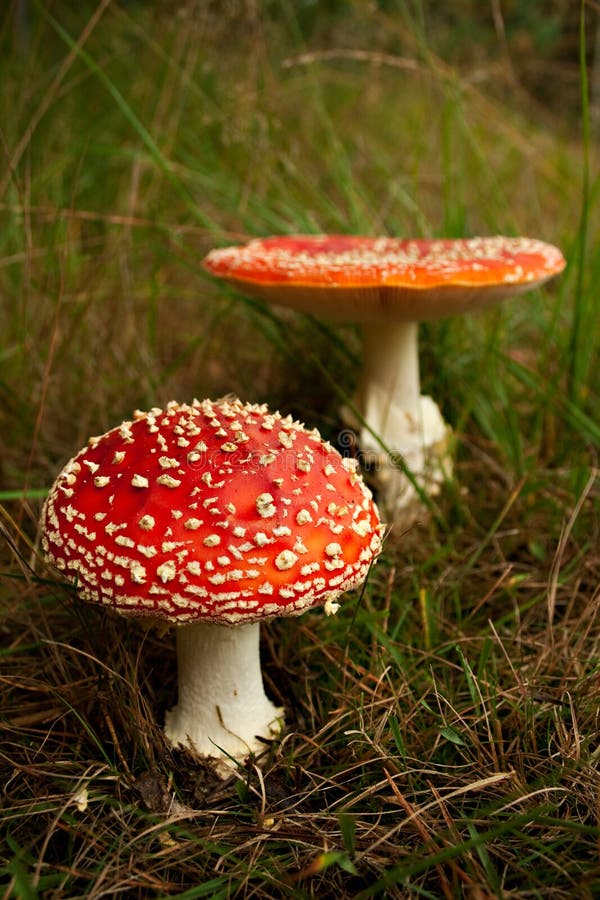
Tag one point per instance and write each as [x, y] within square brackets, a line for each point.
[212, 517]
[389, 285]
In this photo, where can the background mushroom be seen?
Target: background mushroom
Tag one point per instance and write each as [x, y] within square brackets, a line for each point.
[389, 285]
[212, 516]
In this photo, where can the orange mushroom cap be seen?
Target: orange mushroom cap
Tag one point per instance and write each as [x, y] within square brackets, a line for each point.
[364, 278]
[216, 511]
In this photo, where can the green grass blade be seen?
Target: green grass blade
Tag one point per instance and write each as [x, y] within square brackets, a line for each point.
[139, 128]
[579, 330]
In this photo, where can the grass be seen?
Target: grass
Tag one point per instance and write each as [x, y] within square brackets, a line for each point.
[442, 731]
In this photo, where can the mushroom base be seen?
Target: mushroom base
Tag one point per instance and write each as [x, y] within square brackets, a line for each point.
[222, 710]
[425, 445]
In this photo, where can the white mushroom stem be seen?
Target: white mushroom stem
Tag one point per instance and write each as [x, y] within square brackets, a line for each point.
[398, 417]
[389, 395]
[222, 709]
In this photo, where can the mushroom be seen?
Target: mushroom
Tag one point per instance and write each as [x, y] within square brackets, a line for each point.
[389, 285]
[212, 517]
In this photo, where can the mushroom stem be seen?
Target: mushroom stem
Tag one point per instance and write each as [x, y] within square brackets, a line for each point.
[389, 395]
[222, 710]
[398, 417]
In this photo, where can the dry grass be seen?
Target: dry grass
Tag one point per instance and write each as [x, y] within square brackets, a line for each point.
[447, 746]
[443, 732]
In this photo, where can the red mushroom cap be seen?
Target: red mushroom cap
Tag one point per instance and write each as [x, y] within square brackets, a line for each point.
[220, 511]
[364, 278]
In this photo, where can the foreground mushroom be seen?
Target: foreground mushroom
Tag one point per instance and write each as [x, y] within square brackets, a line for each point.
[389, 286]
[211, 517]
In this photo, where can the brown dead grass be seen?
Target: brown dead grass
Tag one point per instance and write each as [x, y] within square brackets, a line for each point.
[455, 762]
